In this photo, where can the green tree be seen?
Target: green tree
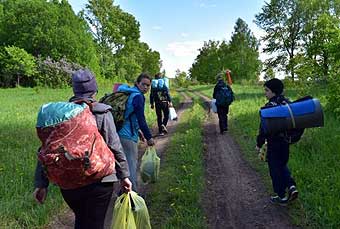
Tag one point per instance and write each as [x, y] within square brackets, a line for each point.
[282, 22]
[48, 29]
[16, 65]
[243, 53]
[112, 29]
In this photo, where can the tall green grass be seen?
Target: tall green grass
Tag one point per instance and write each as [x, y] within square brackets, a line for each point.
[314, 161]
[176, 197]
[18, 147]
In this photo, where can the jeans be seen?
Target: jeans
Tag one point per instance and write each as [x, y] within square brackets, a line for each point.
[91, 203]
[162, 107]
[131, 152]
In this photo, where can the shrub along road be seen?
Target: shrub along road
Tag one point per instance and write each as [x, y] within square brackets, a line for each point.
[235, 196]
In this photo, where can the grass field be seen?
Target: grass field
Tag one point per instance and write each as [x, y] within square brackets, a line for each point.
[314, 161]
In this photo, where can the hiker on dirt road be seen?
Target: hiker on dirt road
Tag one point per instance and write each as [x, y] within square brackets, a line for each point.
[91, 203]
[224, 97]
[277, 149]
[135, 125]
[161, 100]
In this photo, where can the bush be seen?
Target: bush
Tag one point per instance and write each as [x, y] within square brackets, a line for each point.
[333, 96]
[55, 74]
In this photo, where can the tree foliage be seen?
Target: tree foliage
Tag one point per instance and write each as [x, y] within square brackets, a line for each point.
[240, 55]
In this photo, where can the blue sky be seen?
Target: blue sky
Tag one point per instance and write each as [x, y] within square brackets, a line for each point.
[178, 28]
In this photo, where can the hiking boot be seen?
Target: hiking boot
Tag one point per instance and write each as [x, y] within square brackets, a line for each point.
[164, 129]
[292, 193]
[278, 200]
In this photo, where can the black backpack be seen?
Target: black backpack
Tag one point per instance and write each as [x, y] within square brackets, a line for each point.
[294, 135]
[224, 96]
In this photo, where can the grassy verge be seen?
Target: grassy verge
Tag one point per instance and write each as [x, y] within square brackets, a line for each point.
[175, 200]
[18, 146]
[313, 161]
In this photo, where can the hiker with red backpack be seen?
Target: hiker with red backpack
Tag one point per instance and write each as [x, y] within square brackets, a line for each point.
[91, 197]
[224, 96]
[135, 126]
[277, 149]
[160, 100]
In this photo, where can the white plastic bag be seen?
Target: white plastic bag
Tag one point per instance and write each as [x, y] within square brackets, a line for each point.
[213, 105]
[172, 114]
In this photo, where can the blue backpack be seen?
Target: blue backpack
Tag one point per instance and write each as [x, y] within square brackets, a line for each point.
[224, 97]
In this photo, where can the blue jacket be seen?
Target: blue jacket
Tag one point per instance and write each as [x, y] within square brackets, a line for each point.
[134, 115]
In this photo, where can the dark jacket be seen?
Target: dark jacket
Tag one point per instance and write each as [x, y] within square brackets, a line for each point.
[159, 95]
[219, 85]
[107, 129]
[262, 137]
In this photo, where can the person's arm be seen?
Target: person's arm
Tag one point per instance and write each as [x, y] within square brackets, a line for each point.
[109, 133]
[41, 183]
[214, 94]
[168, 95]
[138, 105]
[152, 97]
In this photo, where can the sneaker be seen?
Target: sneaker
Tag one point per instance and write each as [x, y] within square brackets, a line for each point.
[164, 129]
[278, 200]
[292, 193]
[161, 134]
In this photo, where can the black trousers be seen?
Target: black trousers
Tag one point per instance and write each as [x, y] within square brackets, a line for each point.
[278, 156]
[162, 112]
[91, 203]
[222, 113]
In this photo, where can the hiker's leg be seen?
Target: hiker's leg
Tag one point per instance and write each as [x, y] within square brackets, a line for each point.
[220, 117]
[89, 204]
[276, 169]
[159, 116]
[165, 108]
[131, 152]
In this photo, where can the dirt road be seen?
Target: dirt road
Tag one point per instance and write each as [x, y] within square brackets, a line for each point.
[235, 196]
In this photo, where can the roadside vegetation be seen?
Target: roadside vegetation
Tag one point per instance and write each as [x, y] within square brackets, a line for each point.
[176, 197]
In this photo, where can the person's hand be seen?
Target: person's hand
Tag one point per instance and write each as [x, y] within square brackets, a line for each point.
[151, 142]
[152, 106]
[126, 185]
[170, 104]
[141, 136]
[40, 194]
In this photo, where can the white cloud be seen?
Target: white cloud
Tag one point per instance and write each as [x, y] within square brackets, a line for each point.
[184, 35]
[157, 27]
[185, 48]
[203, 5]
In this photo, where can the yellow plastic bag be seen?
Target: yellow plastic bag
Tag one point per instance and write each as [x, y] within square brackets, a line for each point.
[140, 211]
[263, 153]
[122, 213]
[130, 212]
[150, 164]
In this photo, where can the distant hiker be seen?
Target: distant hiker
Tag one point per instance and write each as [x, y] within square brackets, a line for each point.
[277, 149]
[224, 97]
[160, 98]
[90, 203]
[135, 124]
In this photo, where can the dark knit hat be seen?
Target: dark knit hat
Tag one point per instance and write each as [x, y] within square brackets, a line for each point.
[84, 83]
[275, 85]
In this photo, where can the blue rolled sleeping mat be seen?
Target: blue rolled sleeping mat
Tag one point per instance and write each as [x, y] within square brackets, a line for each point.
[303, 113]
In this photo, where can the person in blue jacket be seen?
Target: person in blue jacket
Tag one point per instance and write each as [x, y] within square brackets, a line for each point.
[277, 149]
[135, 125]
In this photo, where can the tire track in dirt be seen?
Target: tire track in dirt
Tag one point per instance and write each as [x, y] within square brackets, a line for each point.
[65, 220]
[235, 196]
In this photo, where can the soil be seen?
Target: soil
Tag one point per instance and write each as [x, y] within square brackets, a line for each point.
[234, 195]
